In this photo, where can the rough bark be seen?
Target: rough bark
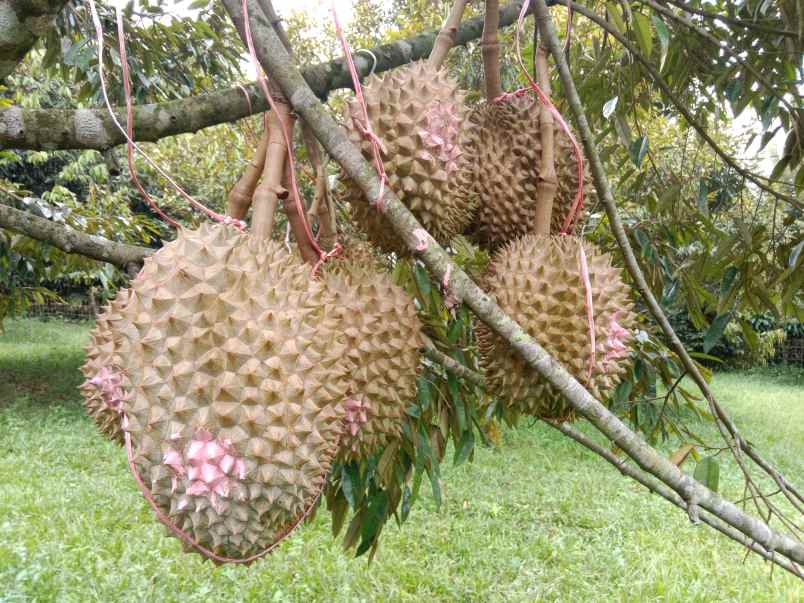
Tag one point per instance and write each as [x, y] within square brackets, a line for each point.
[70, 240]
[48, 129]
[22, 23]
[276, 61]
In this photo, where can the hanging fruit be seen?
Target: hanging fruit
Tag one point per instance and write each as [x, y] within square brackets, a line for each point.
[233, 386]
[538, 281]
[383, 341]
[419, 118]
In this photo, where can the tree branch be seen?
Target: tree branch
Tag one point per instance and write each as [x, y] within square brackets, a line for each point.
[71, 240]
[659, 80]
[49, 129]
[605, 193]
[732, 21]
[276, 61]
[667, 494]
[21, 25]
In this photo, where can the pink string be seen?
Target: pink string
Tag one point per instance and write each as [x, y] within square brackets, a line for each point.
[129, 110]
[577, 205]
[377, 147]
[590, 311]
[323, 256]
[164, 519]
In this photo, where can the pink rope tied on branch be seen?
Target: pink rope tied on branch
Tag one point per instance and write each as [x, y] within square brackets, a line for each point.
[129, 129]
[377, 147]
[323, 256]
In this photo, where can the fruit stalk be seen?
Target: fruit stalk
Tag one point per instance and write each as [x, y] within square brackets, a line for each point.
[239, 198]
[490, 48]
[548, 182]
[270, 190]
[446, 37]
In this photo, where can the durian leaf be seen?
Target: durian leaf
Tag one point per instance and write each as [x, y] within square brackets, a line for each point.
[708, 473]
[715, 331]
[464, 448]
[644, 33]
[376, 514]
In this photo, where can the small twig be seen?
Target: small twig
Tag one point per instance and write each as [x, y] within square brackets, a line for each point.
[445, 39]
[548, 180]
[732, 21]
[667, 494]
[270, 189]
[239, 198]
[682, 108]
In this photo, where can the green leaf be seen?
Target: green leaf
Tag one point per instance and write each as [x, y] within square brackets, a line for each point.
[664, 38]
[644, 33]
[423, 392]
[616, 16]
[465, 447]
[708, 473]
[373, 521]
[728, 279]
[457, 401]
[638, 150]
[795, 254]
[610, 106]
[750, 335]
[350, 483]
[715, 331]
[422, 280]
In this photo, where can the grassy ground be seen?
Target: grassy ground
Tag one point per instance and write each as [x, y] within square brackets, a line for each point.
[538, 520]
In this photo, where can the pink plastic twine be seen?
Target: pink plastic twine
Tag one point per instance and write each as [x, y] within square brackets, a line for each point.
[128, 131]
[377, 147]
[567, 227]
[164, 519]
[323, 256]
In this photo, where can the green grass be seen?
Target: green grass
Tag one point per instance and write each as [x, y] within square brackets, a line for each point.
[540, 519]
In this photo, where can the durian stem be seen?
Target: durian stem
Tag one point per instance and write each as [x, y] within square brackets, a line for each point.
[239, 198]
[321, 209]
[490, 48]
[270, 190]
[446, 37]
[548, 181]
[296, 222]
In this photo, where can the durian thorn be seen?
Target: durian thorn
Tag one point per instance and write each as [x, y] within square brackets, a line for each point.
[446, 37]
[265, 195]
[296, 222]
[490, 48]
[239, 198]
[548, 181]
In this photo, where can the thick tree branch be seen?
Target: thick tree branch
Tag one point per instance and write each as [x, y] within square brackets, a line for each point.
[71, 240]
[682, 108]
[22, 23]
[604, 191]
[48, 129]
[733, 438]
[657, 488]
[276, 61]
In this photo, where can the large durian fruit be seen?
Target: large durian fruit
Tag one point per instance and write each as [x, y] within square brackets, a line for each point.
[537, 281]
[506, 148]
[234, 374]
[103, 387]
[419, 115]
[383, 341]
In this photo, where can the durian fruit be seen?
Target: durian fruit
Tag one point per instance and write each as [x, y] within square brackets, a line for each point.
[506, 147]
[537, 281]
[235, 373]
[419, 115]
[384, 341]
[103, 391]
